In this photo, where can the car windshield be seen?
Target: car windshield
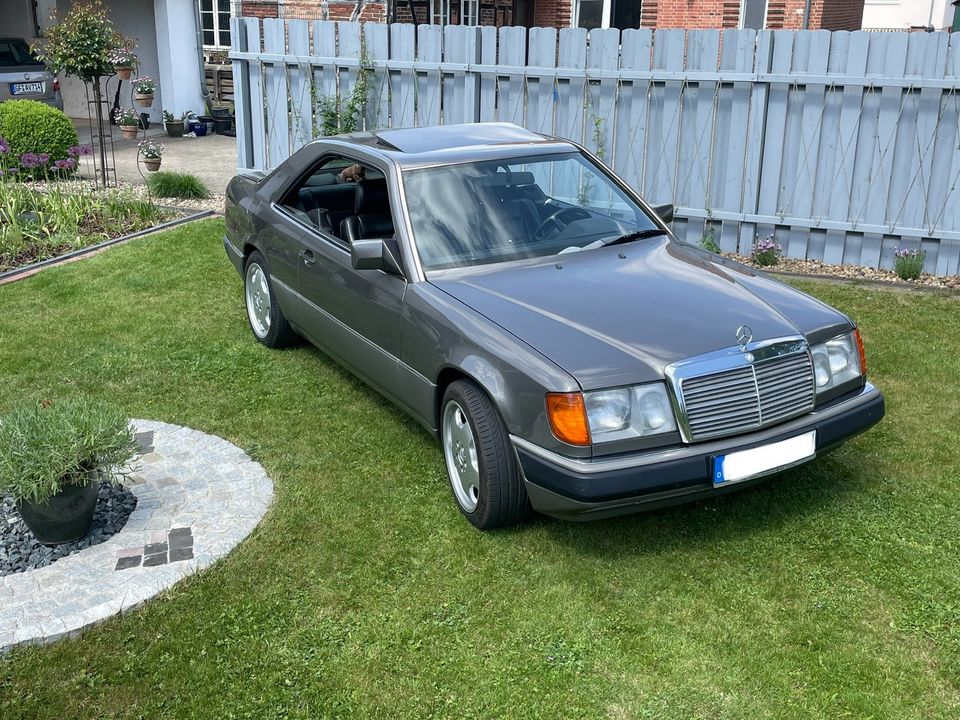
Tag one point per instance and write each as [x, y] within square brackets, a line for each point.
[499, 210]
[14, 52]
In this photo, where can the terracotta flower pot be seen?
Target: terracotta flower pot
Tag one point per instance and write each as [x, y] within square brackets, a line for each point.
[66, 516]
[124, 72]
[129, 131]
[153, 164]
[144, 99]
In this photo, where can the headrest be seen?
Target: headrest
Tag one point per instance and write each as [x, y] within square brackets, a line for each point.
[371, 197]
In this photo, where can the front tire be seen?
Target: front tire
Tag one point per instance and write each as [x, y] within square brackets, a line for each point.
[267, 322]
[481, 465]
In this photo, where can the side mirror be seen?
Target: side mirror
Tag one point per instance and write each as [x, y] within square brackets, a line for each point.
[664, 212]
[376, 255]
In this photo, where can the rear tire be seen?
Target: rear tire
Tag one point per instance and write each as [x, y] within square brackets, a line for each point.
[481, 465]
[267, 322]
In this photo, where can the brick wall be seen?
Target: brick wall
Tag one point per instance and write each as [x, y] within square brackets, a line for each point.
[781, 14]
[690, 14]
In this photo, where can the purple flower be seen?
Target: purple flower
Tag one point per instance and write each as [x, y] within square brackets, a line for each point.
[4, 146]
[34, 160]
[78, 150]
[65, 164]
[12, 171]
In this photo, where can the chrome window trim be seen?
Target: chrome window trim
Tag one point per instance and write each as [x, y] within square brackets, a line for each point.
[731, 358]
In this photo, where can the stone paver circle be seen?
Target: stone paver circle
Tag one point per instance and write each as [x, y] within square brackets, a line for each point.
[198, 496]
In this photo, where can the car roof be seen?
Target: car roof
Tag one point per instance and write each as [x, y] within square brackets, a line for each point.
[442, 144]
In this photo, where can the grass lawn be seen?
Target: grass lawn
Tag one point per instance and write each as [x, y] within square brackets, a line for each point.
[831, 591]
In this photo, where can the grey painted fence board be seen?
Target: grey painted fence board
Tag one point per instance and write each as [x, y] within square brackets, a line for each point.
[298, 40]
[843, 146]
[275, 94]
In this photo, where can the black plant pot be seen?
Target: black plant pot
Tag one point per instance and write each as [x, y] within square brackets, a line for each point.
[174, 128]
[222, 125]
[221, 112]
[65, 517]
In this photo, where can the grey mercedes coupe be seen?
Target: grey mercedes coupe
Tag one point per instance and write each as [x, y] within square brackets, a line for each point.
[530, 310]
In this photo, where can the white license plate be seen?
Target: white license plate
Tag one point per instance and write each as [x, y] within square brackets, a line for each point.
[27, 88]
[746, 464]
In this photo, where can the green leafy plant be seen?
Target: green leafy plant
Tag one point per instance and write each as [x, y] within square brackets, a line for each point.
[46, 446]
[342, 115]
[177, 185]
[39, 224]
[34, 128]
[766, 252]
[709, 242]
[81, 43]
[908, 264]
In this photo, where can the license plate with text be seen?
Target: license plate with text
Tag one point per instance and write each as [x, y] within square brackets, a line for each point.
[27, 88]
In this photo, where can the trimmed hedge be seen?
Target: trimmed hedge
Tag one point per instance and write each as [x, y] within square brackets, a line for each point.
[35, 127]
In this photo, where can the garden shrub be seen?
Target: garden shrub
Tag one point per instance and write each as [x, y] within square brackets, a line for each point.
[30, 126]
[908, 264]
[177, 185]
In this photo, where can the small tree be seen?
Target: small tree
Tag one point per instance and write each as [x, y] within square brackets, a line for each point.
[81, 43]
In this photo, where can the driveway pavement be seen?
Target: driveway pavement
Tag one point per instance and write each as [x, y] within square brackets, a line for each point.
[213, 158]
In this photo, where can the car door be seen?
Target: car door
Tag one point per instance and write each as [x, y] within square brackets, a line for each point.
[354, 315]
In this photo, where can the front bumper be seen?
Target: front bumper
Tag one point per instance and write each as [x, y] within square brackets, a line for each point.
[586, 489]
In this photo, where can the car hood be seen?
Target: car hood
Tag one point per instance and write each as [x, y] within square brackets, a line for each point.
[621, 314]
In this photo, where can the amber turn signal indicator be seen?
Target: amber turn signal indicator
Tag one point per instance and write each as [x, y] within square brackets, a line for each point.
[863, 353]
[568, 418]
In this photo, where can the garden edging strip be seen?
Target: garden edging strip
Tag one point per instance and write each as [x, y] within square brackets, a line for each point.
[27, 270]
[198, 496]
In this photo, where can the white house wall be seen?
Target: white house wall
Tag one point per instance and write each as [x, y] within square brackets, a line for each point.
[905, 14]
[16, 19]
[165, 33]
[177, 48]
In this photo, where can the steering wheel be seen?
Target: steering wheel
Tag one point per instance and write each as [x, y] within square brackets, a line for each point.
[559, 219]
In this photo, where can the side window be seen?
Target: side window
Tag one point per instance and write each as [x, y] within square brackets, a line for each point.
[343, 198]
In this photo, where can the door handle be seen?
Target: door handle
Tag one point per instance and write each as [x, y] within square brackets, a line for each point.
[308, 258]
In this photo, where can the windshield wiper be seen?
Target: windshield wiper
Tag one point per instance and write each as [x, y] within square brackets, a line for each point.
[639, 235]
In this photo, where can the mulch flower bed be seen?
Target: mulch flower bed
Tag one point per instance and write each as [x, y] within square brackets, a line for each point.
[852, 272]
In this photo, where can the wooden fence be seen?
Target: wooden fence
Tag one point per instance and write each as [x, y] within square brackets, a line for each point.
[843, 146]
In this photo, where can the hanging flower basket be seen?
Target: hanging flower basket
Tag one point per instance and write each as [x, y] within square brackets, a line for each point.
[152, 164]
[129, 131]
[152, 152]
[143, 89]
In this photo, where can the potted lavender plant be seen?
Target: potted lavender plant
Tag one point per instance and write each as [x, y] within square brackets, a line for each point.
[54, 455]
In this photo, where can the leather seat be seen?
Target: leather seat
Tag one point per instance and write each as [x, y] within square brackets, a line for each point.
[371, 218]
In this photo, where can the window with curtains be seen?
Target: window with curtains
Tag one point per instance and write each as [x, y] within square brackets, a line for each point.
[215, 22]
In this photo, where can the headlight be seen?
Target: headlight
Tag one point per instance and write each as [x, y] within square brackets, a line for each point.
[837, 361]
[629, 412]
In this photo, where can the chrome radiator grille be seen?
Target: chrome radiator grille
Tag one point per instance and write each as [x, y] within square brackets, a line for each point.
[747, 397]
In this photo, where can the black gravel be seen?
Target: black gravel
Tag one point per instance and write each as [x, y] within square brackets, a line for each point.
[20, 551]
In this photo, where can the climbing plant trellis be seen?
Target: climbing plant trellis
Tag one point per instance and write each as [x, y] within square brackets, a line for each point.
[844, 146]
